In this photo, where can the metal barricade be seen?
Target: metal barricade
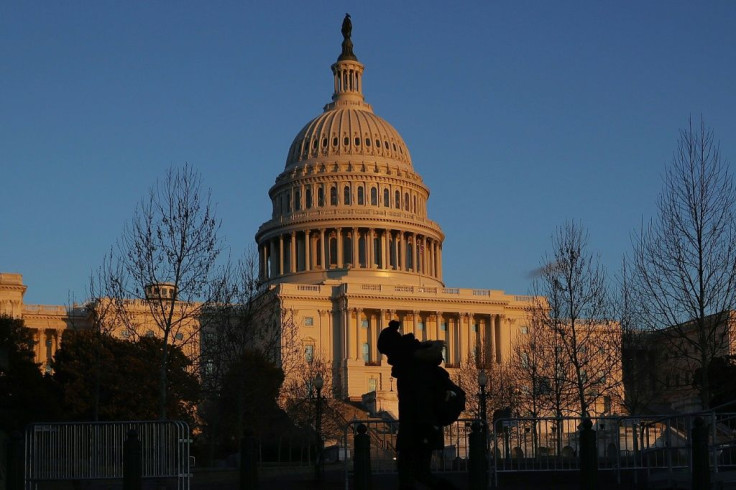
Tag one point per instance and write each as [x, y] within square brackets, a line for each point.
[658, 445]
[78, 451]
[383, 434]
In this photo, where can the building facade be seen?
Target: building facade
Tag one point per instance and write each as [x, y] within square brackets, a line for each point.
[349, 246]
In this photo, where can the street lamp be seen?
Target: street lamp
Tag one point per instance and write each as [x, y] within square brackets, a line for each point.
[482, 381]
[318, 384]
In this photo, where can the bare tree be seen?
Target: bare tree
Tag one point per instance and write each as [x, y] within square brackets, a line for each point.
[685, 258]
[576, 320]
[167, 261]
[637, 359]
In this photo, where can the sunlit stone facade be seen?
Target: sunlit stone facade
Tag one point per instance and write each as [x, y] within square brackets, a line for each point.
[350, 245]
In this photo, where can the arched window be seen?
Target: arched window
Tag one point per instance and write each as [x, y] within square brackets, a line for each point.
[346, 195]
[333, 195]
[397, 199]
[321, 196]
[288, 203]
[308, 198]
[361, 199]
[415, 204]
[386, 199]
[297, 200]
[374, 196]
[406, 201]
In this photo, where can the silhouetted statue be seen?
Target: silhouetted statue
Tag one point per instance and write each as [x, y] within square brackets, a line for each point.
[347, 43]
[347, 27]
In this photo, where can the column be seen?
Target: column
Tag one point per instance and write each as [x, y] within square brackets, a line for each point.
[439, 261]
[374, 326]
[356, 249]
[292, 253]
[322, 248]
[340, 261]
[358, 336]
[395, 237]
[349, 340]
[424, 254]
[281, 254]
[274, 257]
[414, 315]
[497, 337]
[307, 251]
[415, 251]
[384, 250]
[371, 254]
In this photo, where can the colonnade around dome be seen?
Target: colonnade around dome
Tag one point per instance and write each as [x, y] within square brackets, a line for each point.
[369, 249]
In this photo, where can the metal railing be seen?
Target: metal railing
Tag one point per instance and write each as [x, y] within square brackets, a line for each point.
[653, 444]
[94, 451]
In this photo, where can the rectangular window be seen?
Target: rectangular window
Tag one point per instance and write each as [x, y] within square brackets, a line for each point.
[309, 352]
[420, 326]
[524, 330]
[443, 326]
[366, 352]
[364, 323]
[308, 321]
[372, 384]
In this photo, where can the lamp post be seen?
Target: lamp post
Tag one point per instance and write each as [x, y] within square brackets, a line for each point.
[482, 381]
[318, 383]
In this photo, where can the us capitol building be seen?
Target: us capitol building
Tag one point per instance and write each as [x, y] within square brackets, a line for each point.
[348, 247]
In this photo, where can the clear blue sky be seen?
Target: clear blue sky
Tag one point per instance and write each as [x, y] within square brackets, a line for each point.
[518, 115]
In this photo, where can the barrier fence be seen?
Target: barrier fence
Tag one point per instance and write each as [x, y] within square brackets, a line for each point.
[94, 451]
[660, 444]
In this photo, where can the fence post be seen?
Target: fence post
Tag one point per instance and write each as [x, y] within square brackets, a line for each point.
[132, 467]
[248, 466]
[14, 469]
[588, 456]
[478, 463]
[701, 468]
[362, 459]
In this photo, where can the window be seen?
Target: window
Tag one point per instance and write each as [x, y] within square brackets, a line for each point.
[397, 200]
[364, 323]
[308, 197]
[475, 328]
[443, 326]
[372, 384]
[333, 195]
[367, 142]
[361, 199]
[374, 196]
[524, 330]
[406, 201]
[357, 141]
[346, 141]
[125, 334]
[420, 326]
[308, 321]
[366, 352]
[321, 196]
[179, 336]
[309, 352]
[346, 195]
[334, 141]
[386, 199]
[297, 200]
[149, 333]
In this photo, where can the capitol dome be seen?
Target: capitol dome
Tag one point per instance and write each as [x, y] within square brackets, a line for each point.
[348, 204]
